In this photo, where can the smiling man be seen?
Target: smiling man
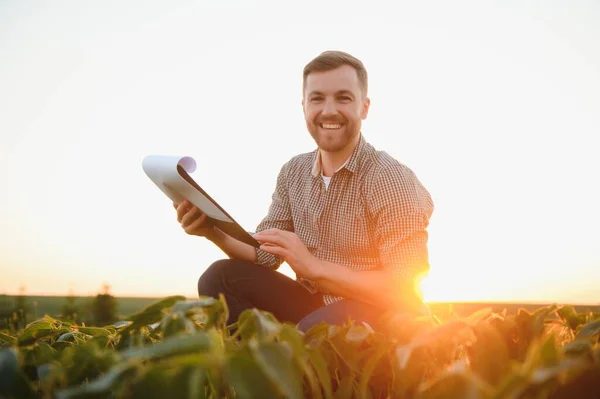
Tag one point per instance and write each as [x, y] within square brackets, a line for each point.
[348, 219]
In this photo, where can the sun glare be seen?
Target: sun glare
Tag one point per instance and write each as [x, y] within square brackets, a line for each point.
[436, 288]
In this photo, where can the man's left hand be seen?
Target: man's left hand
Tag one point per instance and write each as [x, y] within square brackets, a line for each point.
[293, 251]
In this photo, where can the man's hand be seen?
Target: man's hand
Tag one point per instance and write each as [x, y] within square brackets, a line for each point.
[293, 251]
[193, 220]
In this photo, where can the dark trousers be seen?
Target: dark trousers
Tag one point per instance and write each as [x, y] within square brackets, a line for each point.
[246, 285]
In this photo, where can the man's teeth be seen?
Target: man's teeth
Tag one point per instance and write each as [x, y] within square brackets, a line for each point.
[330, 126]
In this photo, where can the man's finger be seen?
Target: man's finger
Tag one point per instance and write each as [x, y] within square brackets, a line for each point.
[273, 239]
[273, 232]
[181, 210]
[191, 216]
[196, 224]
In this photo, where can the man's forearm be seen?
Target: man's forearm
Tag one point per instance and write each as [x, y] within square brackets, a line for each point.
[233, 248]
[378, 288]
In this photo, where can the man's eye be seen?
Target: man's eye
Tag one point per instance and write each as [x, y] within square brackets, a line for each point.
[345, 98]
[316, 99]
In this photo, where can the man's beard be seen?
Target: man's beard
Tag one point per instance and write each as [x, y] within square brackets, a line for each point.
[335, 140]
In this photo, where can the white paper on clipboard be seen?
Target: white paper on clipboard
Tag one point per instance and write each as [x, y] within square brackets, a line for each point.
[162, 170]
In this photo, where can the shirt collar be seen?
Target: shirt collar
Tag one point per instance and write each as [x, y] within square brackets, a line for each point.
[351, 163]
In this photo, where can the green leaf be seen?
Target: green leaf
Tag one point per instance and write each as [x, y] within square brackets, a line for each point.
[155, 383]
[151, 314]
[199, 342]
[187, 382]
[320, 366]
[256, 323]
[86, 361]
[292, 337]
[44, 328]
[67, 337]
[488, 356]
[22, 388]
[103, 341]
[585, 384]
[589, 331]
[411, 366]
[545, 310]
[357, 334]
[210, 311]
[196, 380]
[403, 354]
[47, 370]
[176, 324]
[207, 360]
[539, 318]
[363, 385]
[186, 306]
[246, 378]
[60, 346]
[37, 354]
[478, 316]
[316, 335]
[532, 357]
[7, 339]
[549, 355]
[512, 386]
[347, 352]
[568, 314]
[457, 383]
[345, 389]
[104, 384]
[9, 364]
[96, 331]
[275, 361]
[542, 375]
[578, 348]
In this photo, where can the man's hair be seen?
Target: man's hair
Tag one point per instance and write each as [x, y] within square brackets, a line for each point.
[329, 60]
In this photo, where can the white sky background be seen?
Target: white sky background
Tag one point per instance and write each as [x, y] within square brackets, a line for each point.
[495, 105]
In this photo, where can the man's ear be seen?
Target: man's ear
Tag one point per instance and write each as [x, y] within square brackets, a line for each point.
[365, 109]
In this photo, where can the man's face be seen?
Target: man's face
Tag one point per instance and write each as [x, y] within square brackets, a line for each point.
[334, 107]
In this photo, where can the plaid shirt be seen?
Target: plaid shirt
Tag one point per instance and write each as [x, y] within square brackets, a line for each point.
[373, 216]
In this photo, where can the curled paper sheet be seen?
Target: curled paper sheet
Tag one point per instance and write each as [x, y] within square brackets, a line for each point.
[171, 175]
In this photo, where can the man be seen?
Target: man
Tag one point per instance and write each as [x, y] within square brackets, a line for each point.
[349, 220]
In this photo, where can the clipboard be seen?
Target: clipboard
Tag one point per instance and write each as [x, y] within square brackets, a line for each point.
[171, 175]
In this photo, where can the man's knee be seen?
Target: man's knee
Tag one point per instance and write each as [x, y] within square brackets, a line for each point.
[307, 323]
[211, 281]
[341, 313]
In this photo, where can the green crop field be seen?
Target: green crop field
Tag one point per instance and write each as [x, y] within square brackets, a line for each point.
[181, 348]
[39, 306]
[51, 305]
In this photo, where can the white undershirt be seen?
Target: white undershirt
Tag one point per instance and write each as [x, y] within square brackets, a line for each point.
[326, 180]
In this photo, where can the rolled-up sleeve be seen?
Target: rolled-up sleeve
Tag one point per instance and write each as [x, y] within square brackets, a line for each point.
[401, 207]
[278, 217]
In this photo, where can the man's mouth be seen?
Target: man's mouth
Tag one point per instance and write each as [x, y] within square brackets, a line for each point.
[330, 126]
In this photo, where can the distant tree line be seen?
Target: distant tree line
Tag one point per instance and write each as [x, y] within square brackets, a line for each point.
[16, 312]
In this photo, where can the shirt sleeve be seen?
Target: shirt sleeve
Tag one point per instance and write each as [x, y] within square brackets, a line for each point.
[278, 217]
[401, 208]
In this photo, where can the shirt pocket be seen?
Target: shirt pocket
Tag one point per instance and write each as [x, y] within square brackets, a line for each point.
[352, 236]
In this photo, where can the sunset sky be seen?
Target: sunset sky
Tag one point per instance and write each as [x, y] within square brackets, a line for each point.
[495, 105]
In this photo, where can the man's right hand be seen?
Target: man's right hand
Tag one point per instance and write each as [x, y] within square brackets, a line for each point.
[193, 220]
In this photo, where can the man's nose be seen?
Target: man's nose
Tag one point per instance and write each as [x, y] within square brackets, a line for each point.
[330, 107]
